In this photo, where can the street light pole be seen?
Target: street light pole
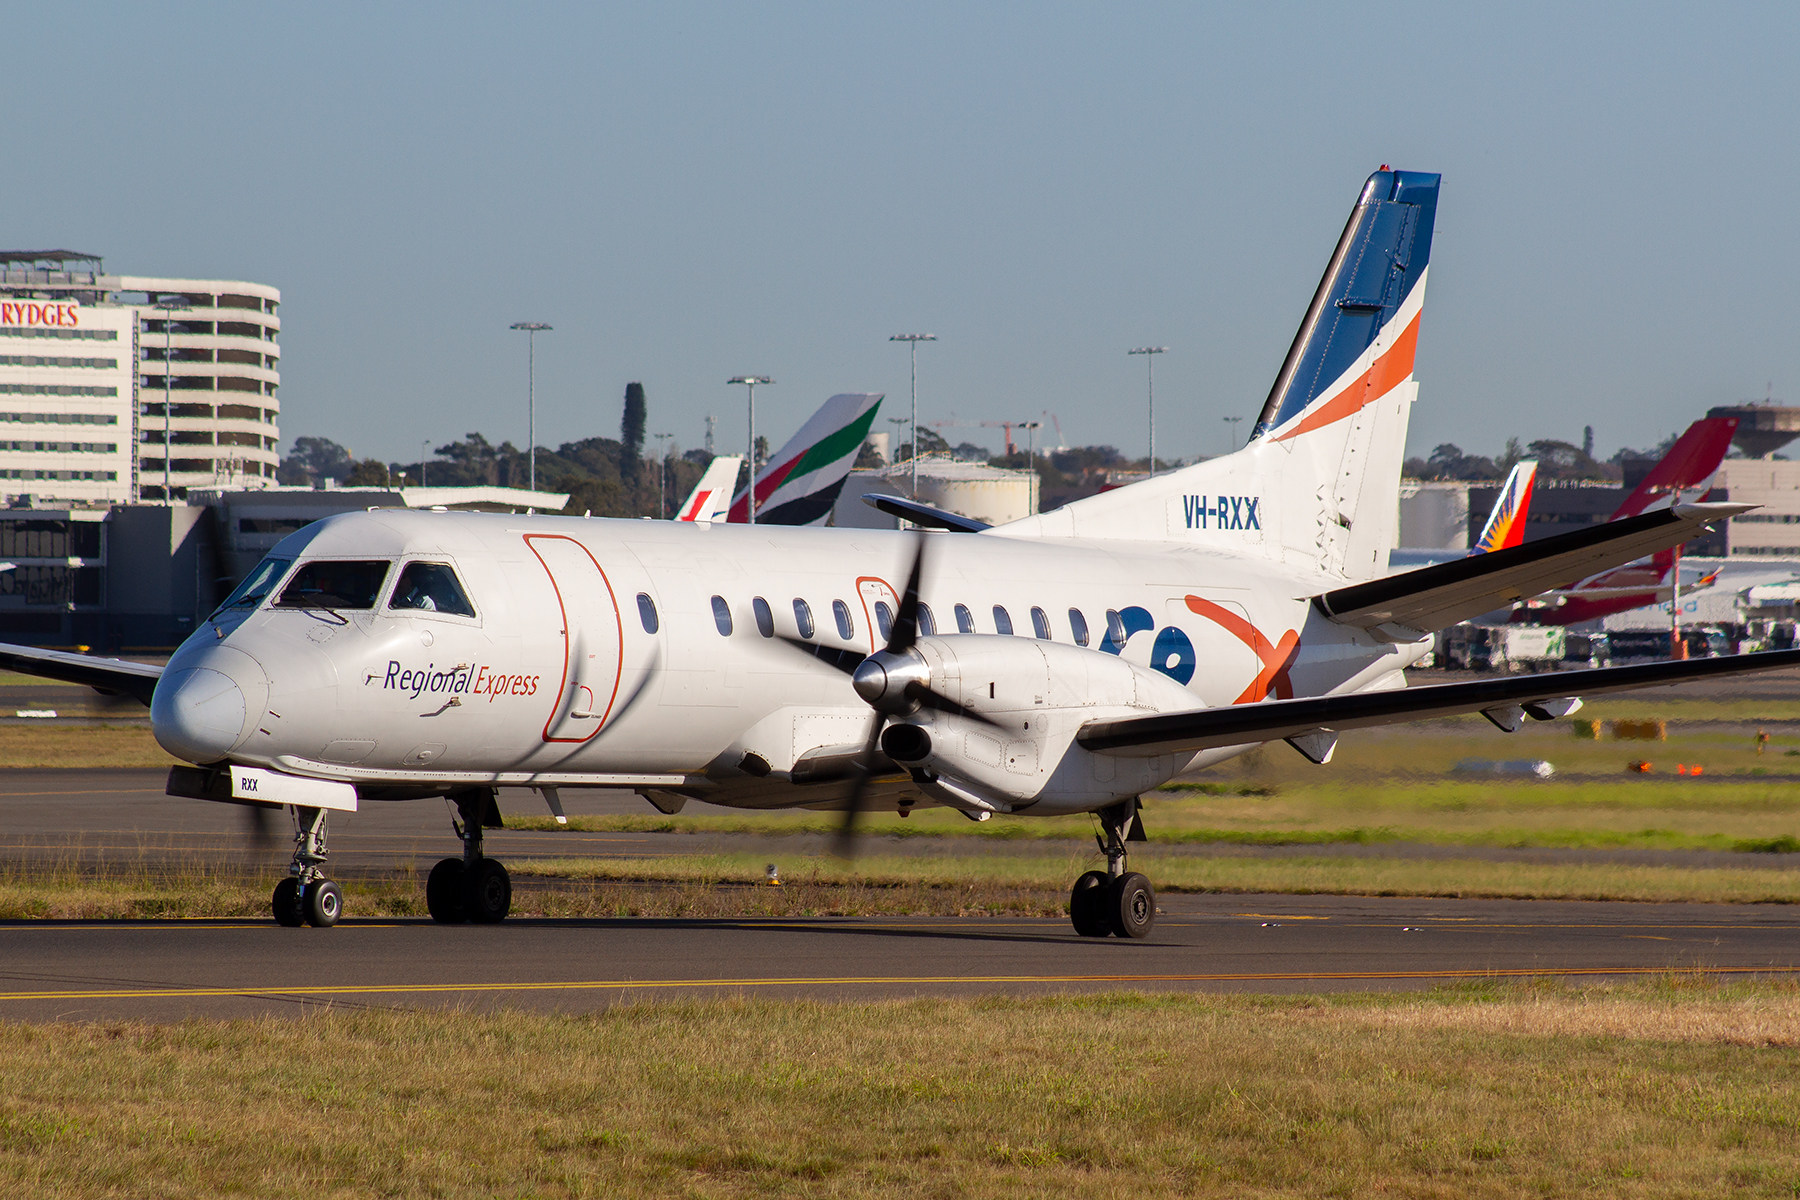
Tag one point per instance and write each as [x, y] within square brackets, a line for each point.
[662, 464]
[1150, 353]
[912, 340]
[751, 381]
[168, 306]
[424, 450]
[1232, 436]
[532, 329]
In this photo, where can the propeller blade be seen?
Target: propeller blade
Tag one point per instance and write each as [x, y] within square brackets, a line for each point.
[843, 660]
[941, 703]
[259, 826]
[906, 621]
[844, 844]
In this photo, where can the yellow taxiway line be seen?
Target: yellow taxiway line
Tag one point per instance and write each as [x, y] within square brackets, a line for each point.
[621, 985]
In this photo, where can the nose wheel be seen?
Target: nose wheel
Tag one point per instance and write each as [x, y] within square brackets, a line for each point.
[1117, 901]
[471, 888]
[306, 897]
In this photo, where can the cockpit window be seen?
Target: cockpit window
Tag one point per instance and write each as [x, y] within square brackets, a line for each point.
[326, 584]
[431, 587]
[258, 584]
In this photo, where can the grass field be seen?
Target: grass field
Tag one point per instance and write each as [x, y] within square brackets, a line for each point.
[1678, 1087]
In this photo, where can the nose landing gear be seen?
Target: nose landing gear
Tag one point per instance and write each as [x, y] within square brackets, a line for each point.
[470, 888]
[306, 897]
[1116, 901]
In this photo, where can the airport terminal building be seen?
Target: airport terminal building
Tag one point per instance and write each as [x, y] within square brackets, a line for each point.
[108, 397]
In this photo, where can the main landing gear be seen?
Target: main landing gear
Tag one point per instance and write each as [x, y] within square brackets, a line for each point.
[306, 897]
[470, 888]
[1115, 901]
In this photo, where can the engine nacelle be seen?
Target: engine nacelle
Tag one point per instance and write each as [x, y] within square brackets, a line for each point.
[1038, 695]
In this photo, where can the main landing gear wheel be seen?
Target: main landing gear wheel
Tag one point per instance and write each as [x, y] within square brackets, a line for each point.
[1130, 906]
[1087, 904]
[443, 892]
[470, 888]
[323, 901]
[1116, 901]
[487, 893]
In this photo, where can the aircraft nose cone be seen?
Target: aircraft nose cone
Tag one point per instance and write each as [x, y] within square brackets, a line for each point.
[200, 713]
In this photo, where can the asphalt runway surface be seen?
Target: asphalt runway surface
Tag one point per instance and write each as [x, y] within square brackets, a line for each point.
[168, 970]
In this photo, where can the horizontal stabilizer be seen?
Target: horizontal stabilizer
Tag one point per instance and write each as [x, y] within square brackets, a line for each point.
[924, 514]
[1238, 724]
[137, 680]
[1414, 603]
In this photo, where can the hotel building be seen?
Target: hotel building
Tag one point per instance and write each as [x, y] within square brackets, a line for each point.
[108, 396]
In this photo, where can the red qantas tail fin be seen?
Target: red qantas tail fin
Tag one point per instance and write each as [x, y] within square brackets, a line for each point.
[1690, 462]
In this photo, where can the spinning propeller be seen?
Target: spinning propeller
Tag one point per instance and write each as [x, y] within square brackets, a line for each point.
[894, 681]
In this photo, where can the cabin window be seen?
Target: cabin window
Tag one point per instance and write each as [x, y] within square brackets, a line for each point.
[722, 615]
[325, 584]
[927, 622]
[1115, 630]
[803, 618]
[965, 620]
[765, 620]
[841, 611]
[1078, 626]
[884, 618]
[1040, 624]
[647, 612]
[1002, 620]
[430, 587]
[258, 584]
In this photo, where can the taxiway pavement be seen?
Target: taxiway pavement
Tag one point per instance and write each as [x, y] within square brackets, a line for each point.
[167, 970]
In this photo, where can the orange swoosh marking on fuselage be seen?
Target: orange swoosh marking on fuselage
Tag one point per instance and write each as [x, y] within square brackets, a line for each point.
[1383, 374]
[1277, 658]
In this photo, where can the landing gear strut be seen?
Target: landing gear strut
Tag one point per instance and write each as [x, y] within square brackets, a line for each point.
[470, 888]
[1116, 901]
[306, 897]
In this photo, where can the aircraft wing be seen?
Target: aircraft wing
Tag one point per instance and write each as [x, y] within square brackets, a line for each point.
[1238, 724]
[137, 680]
[1406, 606]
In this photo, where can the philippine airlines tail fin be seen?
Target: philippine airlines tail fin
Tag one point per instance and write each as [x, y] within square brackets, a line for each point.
[1319, 483]
[802, 481]
[1506, 523]
[712, 495]
[1689, 466]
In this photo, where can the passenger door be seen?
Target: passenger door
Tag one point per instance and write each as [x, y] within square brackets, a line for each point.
[592, 638]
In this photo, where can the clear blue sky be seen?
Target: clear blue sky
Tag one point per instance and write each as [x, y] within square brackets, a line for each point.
[689, 192]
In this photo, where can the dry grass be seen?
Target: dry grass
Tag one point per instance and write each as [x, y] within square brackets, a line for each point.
[81, 746]
[1173, 872]
[1649, 1091]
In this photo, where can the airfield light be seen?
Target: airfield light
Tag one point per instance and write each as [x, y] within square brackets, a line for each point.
[168, 306]
[662, 465]
[1150, 353]
[1232, 436]
[750, 381]
[532, 329]
[912, 340]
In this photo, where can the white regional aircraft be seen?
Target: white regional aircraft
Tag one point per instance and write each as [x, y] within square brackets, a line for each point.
[1065, 663]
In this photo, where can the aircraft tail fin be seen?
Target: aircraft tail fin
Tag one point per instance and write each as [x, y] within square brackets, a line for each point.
[1506, 523]
[1688, 466]
[802, 480]
[1319, 482]
[711, 497]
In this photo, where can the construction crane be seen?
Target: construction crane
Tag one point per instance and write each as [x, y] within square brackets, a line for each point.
[1006, 427]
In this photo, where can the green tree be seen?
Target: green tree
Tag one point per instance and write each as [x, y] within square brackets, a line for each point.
[631, 431]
